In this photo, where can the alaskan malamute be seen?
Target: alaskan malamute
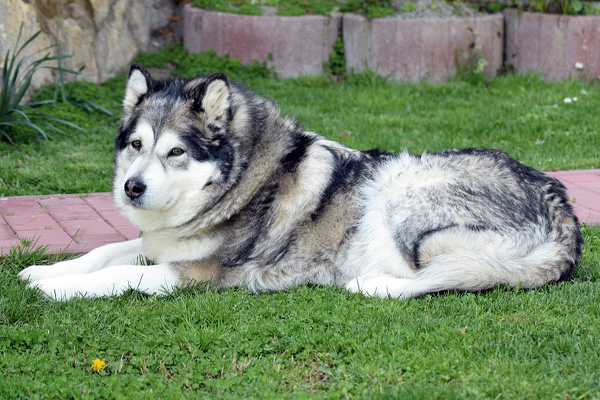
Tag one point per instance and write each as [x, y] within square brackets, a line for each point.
[226, 190]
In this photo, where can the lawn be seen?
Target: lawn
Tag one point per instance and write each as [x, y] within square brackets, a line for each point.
[315, 342]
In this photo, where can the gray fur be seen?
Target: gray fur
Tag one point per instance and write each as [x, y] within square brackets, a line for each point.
[287, 207]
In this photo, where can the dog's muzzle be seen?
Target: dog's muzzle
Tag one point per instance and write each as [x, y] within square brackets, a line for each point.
[134, 188]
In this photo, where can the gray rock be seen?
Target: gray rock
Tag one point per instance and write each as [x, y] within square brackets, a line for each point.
[102, 35]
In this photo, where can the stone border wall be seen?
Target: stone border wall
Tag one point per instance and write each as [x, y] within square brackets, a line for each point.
[422, 48]
[557, 46]
[294, 46]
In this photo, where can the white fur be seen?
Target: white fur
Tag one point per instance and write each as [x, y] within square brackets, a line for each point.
[216, 99]
[114, 280]
[374, 250]
[169, 190]
[378, 286]
[111, 254]
[136, 86]
[104, 271]
[166, 245]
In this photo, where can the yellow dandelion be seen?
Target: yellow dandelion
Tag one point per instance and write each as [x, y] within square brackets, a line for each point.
[97, 365]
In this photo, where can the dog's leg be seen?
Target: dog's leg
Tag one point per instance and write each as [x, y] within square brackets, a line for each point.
[152, 279]
[378, 286]
[111, 254]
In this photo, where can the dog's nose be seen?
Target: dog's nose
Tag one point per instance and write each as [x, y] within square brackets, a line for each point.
[134, 188]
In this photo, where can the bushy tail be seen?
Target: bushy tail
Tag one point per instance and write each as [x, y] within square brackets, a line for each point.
[552, 260]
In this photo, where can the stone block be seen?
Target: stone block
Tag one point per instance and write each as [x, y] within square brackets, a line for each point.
[421, 48]
[557, 46]
[102, 35]
[294, 46]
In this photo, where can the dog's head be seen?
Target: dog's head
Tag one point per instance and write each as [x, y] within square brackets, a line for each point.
[173, 147]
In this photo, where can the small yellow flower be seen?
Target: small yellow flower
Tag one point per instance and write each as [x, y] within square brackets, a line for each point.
[97, 365]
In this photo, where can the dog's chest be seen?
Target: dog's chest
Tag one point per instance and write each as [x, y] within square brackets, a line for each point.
[165, 247]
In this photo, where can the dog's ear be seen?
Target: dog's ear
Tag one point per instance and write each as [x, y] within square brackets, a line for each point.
[138, 84]
[216, 99]
[210, 96]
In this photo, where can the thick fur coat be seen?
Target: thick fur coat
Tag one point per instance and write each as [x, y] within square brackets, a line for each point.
[227, 190]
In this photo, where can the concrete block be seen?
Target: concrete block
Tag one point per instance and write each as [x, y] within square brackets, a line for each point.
[294, 46]
[421, 48]
[557, 46]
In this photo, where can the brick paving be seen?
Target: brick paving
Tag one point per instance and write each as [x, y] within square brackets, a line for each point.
[73, 223]
[76, 223]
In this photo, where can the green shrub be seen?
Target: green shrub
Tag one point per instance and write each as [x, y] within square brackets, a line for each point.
[202, 63]
[336, 65]
[370, 8]
[18, 117]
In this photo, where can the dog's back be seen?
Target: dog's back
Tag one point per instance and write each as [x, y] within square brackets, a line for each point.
[228, 190]
[466, 219]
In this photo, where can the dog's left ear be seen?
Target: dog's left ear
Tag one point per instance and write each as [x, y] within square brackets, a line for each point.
[216, 99]
[211, 96]
[138, 84]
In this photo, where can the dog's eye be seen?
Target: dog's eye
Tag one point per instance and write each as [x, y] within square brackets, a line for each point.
[176, 151]
[136, 144]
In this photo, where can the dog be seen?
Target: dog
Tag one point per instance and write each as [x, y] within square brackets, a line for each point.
[228, 191]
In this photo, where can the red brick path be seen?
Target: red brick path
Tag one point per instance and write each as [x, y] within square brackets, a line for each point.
[79, 223]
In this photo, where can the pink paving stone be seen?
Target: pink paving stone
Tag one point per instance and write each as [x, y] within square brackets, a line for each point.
[72, 213]
[70, 248]
[21, 205]
[46, 236]
[586, 215]
[5, 232]
[114, 218]
[100, 203]
[128, 232]
[6, 244]
[99, 238]
[585, 197]
[31, 222]
[78, 228]
[582, 179]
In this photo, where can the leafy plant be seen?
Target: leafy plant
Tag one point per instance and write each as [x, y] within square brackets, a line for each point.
[337, 60]
[64, 94]
[409, 6]
[370, 8]
[16, 117]
[284, 7]
[303, 7]
[565, 7]
[540, 5]
[472, 64]
[203, 63]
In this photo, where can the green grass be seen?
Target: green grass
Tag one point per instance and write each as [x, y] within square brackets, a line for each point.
[315, 342]
[284, 7]
[520, 114]
[308, 342]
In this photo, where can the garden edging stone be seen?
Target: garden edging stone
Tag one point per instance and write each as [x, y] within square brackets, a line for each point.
[557, 46]
[294, 46]
[414, 49]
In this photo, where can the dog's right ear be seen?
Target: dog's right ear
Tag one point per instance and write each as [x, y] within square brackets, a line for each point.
[138, 84]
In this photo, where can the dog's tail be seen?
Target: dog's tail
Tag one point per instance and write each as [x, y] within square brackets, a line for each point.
[473, 267]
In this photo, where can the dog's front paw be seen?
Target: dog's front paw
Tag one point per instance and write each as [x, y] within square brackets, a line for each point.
[37, 272]
[61, 288]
